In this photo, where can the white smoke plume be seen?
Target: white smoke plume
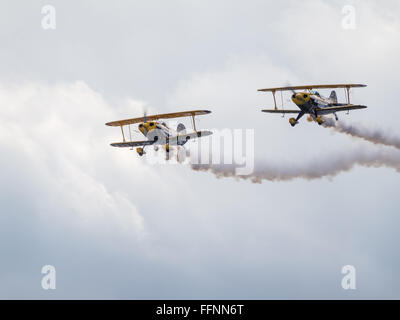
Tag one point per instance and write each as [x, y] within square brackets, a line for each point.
[327, 166]
[374, 135]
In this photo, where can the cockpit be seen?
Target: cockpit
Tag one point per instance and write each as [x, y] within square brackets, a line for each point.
[315, 92]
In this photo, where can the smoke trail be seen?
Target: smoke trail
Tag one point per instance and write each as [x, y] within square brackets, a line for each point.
[329, 166]
[374, 135]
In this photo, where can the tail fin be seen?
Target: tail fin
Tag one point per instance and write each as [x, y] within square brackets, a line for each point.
[181, 128]
[333, 96]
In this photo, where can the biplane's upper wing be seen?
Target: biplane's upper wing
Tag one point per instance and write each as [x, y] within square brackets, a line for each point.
[343, 108]
[280, 111]
[158, 116]
[132, 144]
[316, 86]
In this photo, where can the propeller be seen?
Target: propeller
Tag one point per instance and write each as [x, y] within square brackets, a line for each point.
[290, 86]
[294, 93]
[145, 115]
[296, 96]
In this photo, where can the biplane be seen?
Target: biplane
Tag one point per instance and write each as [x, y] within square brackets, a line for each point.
[311, 102]
[158, 133]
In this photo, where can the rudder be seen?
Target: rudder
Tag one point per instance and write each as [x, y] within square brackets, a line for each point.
[181, 128]
[333, 96]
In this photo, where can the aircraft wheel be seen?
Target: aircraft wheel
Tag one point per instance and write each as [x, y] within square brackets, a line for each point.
[140, 151]
[319, 120]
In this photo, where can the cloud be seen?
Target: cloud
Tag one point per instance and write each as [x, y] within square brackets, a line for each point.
[57, 131]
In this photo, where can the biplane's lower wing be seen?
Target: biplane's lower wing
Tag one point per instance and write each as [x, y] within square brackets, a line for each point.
[132, 144]
[280, 111]
[172, 140]
[342, 108]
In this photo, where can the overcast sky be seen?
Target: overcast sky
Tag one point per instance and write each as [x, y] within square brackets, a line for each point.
[115, 226]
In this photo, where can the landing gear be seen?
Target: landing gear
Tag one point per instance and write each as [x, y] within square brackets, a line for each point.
[167, 151]
[319, 120]
[140, 151]
[336, 117]
[293, 122]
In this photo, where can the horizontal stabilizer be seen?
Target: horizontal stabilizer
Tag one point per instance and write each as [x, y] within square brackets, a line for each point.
[181, 139]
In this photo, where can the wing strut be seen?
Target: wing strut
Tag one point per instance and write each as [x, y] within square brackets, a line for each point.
[123, 135]
[130, 136]
[347, 89]
[194, 124]
[348, 94]
[273, 94]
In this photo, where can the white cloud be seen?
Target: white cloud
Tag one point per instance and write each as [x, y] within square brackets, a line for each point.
[58, 131]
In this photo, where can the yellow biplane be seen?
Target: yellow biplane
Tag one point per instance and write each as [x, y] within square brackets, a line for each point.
[310, 102]
[158, 133]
